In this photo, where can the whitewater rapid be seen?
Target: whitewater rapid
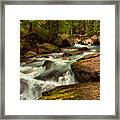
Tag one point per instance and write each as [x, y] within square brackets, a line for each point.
[47, 73]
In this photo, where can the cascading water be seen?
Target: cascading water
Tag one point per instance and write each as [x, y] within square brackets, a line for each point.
[47, 73]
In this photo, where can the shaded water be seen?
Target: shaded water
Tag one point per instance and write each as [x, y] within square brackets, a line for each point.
[46, 73]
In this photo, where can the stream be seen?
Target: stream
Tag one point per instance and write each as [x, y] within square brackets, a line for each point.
[48, 72]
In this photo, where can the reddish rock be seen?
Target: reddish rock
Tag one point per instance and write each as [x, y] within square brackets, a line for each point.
[80, 91]
[87, 68]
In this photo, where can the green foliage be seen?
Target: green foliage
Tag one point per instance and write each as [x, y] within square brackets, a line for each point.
[41, 31]
[93, 26]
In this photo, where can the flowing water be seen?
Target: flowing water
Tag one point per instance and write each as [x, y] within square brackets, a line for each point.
[46, 73]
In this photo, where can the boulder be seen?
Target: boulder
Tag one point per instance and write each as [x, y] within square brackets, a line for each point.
[83, 49]
[77, 52]
[66, 43]
[88, 41]
[48, 64]
[43, 51]
[87, 68]
[95, 39]
[24, 86]
[67, 54]
[52, 74]
[80, 91]
[64, 40]
[30, 54]
[47, 48]
[26, 70]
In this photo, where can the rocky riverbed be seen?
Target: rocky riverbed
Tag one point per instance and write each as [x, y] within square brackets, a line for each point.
[66, 73]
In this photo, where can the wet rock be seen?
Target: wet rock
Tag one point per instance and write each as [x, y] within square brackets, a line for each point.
[24, 86]
[49, 75]
[64, 40]
[96, 40]
[48, 64]
[43, 51]
[87, 68]
[83, 49]
[81, 91]
[66, 43]
[76, 52]
[30, 54]
[89, 56]
[87, 42]
[36, 63]
[26, 60]
[47, 48]
[52, 74]
[66, 54]
[26, 70]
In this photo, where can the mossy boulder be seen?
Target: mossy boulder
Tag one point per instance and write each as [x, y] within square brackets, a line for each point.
[87, 68]
[81, 91]
[47, 48]
[30, 54]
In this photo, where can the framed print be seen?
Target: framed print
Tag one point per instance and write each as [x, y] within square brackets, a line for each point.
[59, 59]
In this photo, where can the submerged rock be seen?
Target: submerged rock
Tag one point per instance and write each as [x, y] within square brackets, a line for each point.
[87, 68]
[83, 49]
[48, 64]
[81, 91]
[52, 74]
[66, 54]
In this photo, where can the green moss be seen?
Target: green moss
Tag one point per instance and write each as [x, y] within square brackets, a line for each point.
[49, 47]
[30, 54]
[84, 91]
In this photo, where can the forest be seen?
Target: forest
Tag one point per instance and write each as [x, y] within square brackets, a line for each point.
[35, 32]
[60, 59]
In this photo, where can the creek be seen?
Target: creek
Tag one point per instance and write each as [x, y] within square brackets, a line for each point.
[48, 72]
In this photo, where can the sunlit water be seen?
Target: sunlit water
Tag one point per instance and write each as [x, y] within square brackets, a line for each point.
[47, 73]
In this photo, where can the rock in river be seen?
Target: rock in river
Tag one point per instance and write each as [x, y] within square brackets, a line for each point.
[48, 64]
[47, 48]
[30, 54]
[87, 68]
[23, 85]
[81, 91]
[84, 49]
